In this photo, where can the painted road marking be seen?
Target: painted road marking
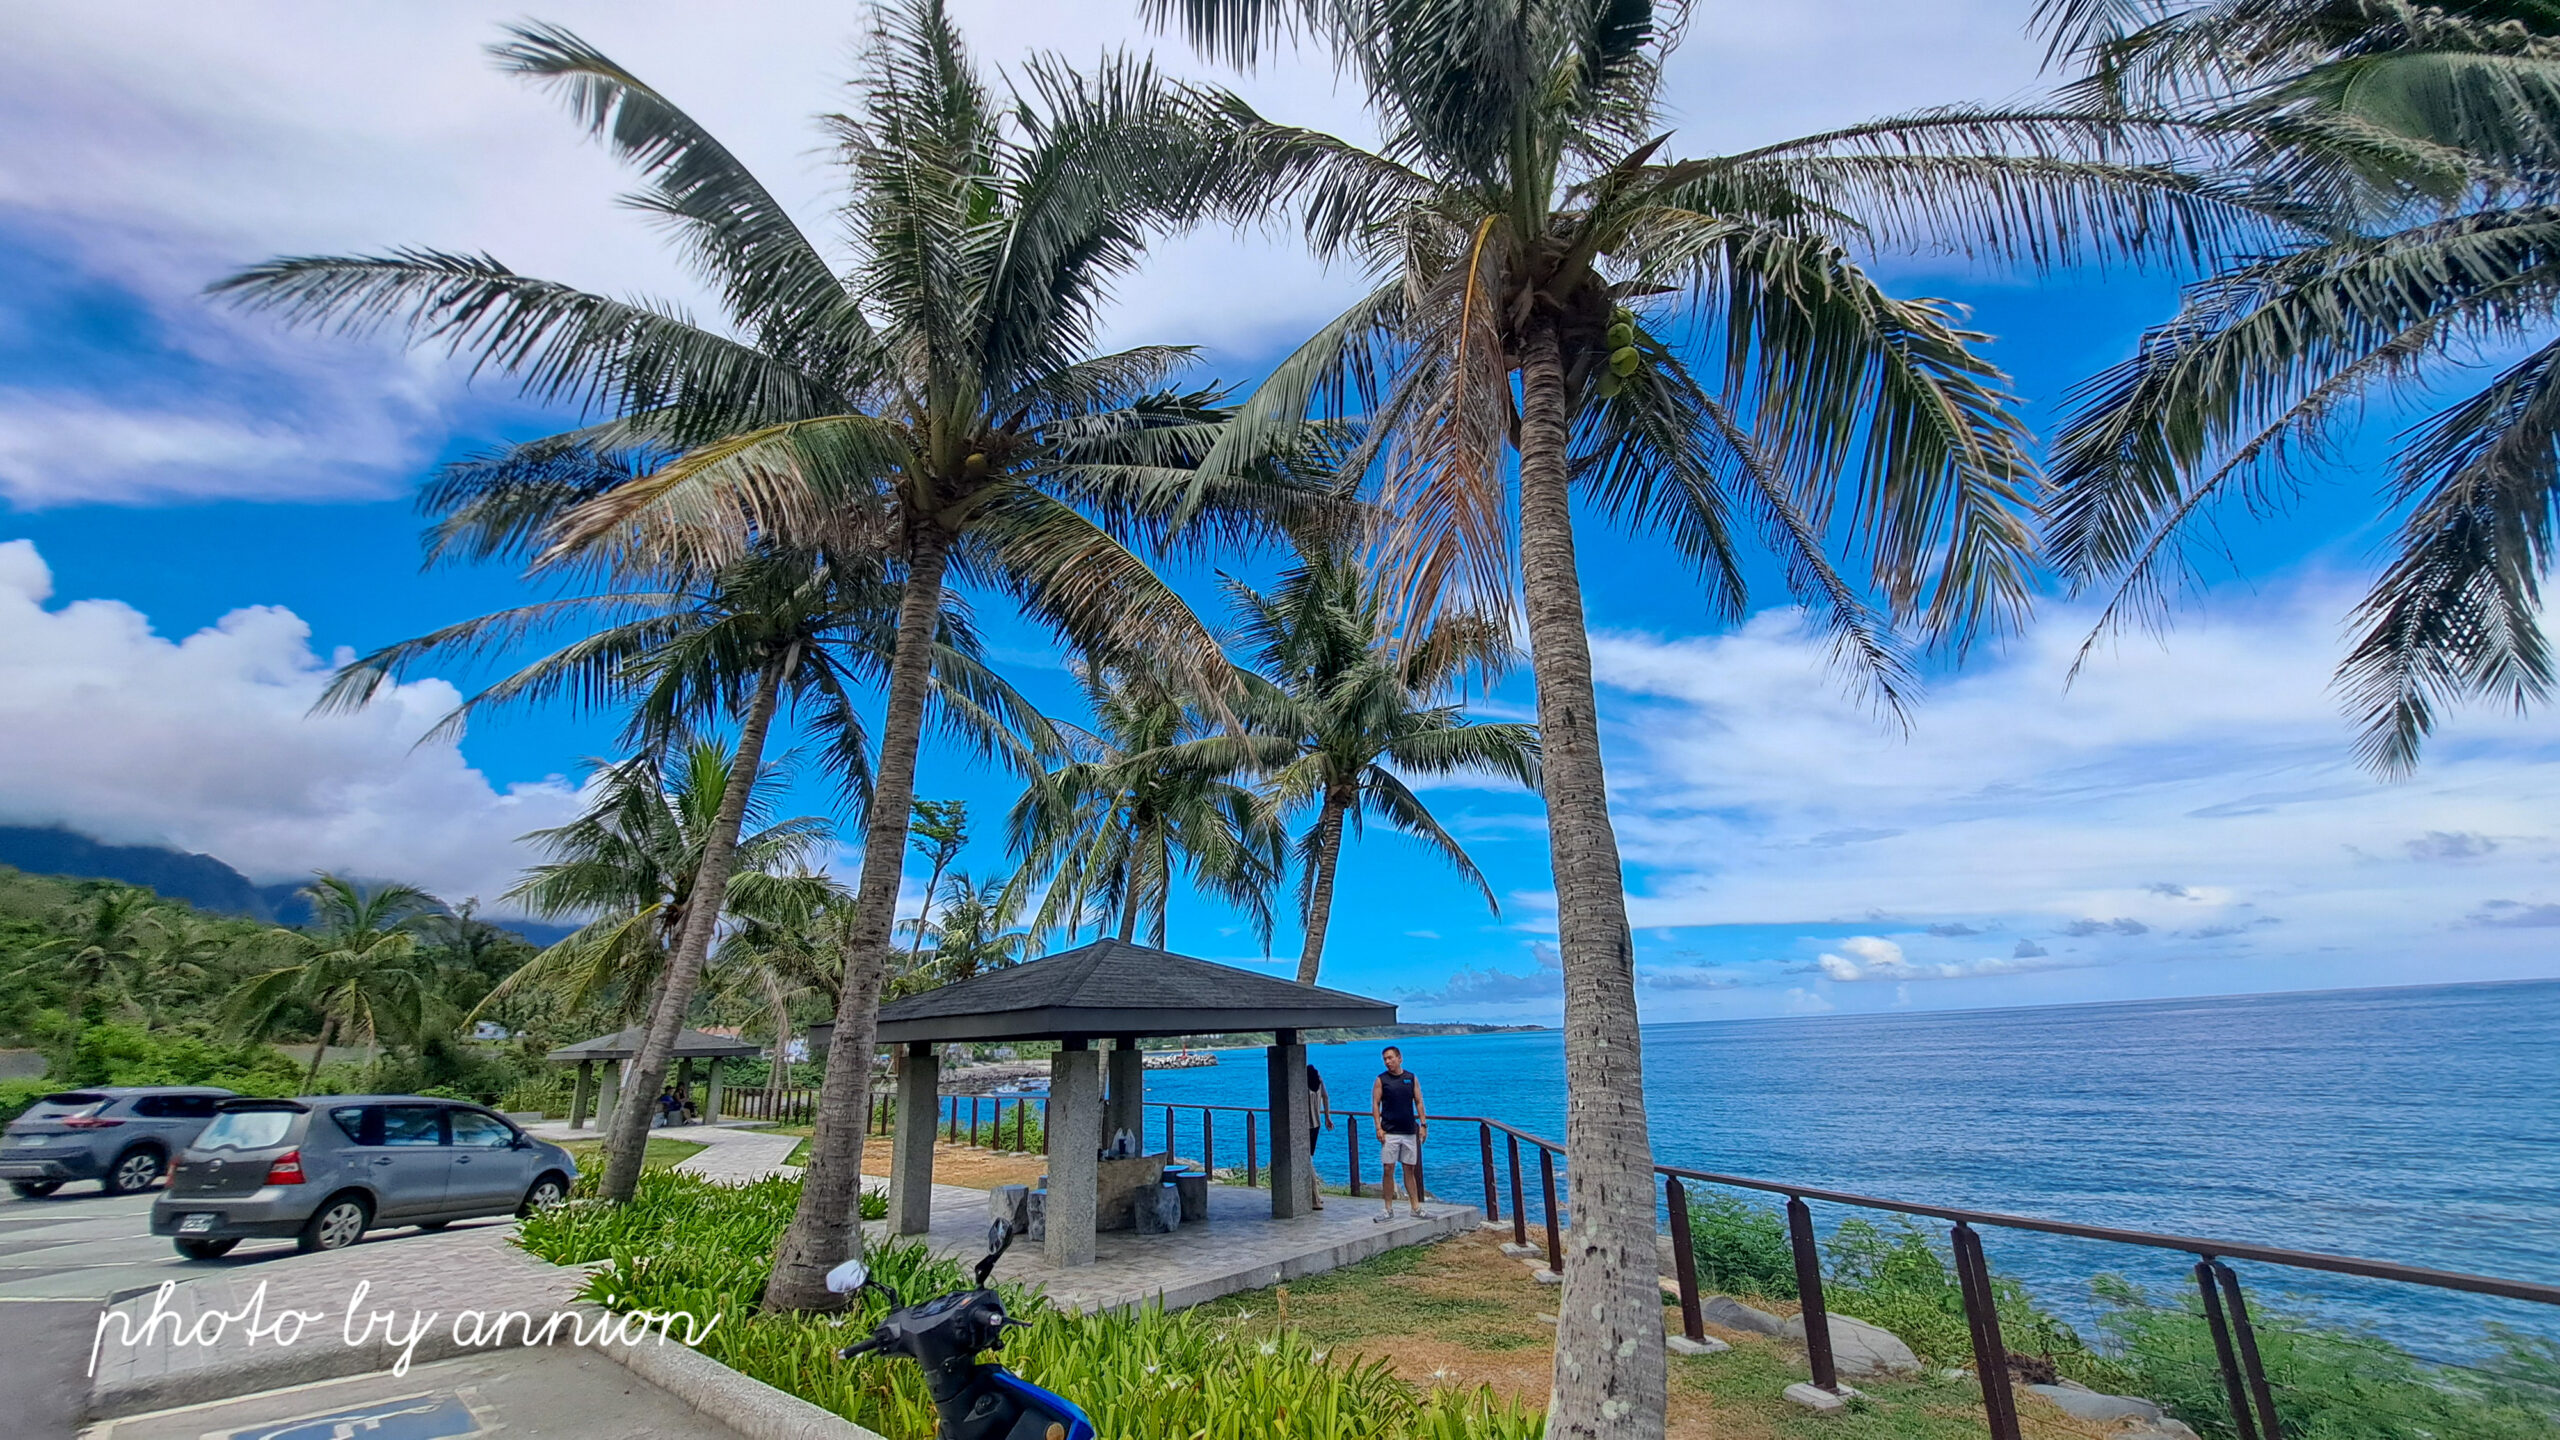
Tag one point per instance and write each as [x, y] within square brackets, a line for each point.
[415, 1417]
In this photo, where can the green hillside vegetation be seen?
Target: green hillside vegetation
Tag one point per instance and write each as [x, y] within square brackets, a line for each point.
[116, 985]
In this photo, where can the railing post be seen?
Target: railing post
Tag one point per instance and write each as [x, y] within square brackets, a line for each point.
[1252, 1168]
[2247, 1337]
[1684, 1261]
[1519, 1195]
[1982, 1316]
[1492, 1196]
[1351, 1137]
[2234, 1391]
[951, 1122]
[973, 1121]
[1208, 1142]
[1547, 1183]
[1817, 1320]
[1168, 1134]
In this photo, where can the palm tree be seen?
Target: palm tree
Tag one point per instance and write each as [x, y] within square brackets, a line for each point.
[770, 628]
[1346, 699]
[2453, 111]
[938, 400]
[114, 935]
[941, 829]
[356, 966]
[630, 866]
[974, 932]
[1692, 339]
[1152, 791]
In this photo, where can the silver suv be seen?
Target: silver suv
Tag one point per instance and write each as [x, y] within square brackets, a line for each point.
[324, 1169]
[118, 1135]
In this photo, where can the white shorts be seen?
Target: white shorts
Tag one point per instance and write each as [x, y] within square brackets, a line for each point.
[1394, 1149]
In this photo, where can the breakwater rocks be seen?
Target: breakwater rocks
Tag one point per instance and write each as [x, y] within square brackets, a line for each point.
[1864, 1351]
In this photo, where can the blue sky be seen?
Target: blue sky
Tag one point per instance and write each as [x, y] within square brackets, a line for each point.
[199, 513]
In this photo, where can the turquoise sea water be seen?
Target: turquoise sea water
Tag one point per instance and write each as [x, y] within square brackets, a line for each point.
[2414, 1125]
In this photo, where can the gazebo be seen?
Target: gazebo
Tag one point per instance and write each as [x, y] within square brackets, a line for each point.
[1111, 990]
[691, 1045]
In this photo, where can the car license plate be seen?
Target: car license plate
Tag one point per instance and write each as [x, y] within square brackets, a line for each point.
[196, 1224]
[32, 1141]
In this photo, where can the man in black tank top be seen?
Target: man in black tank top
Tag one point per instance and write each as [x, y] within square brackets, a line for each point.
[1395, 1108]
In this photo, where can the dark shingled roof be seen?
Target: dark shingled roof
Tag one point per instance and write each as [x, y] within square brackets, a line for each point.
[623, 1044]
[1112, 987]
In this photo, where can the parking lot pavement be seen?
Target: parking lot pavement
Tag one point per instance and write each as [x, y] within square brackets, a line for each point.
[60, 1258]
[518, 1393]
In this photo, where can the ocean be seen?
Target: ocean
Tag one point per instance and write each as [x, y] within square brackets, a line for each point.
[2413, 1125]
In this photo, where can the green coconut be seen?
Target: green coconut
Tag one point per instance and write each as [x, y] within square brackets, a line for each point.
[1621, 335]
[1625, 360]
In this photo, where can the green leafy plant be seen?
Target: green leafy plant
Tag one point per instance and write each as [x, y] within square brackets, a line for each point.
[683, 1243]
[1741, 1248]
[2331, 1383]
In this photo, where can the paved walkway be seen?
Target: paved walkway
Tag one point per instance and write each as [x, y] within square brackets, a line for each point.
[733, 1153]
[1239, 1247]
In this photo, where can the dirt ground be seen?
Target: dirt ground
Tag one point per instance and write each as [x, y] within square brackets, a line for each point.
[962, 1165]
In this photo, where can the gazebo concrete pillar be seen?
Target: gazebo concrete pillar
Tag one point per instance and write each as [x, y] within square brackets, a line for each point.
[582, 1094]
[608, 1092]
[1293, 1190]
[684, 1079]
[1075, 1113]
[711, 1099]
[911, 1142]
[1126, 1109]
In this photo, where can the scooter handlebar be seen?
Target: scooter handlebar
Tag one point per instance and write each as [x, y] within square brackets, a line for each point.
[863, 1347]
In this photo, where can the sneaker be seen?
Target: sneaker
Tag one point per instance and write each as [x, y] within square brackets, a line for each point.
[1383, 1219]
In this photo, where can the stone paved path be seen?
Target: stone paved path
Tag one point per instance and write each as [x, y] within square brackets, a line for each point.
[732, 1154]
[1239, 1247]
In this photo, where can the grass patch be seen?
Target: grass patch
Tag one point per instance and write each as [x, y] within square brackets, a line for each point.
[660, 1154]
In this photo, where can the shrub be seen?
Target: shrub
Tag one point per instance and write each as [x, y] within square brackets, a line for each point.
[1741, 1248]
[118, 1054]
[686, 1244]
[2334, 1384]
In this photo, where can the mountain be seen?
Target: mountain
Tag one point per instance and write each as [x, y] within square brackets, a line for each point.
[200, 880]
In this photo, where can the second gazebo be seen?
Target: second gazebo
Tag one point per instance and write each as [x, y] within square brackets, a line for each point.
[1111, 990]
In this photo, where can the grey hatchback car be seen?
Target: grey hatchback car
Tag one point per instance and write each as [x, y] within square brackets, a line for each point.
[118, 1135]
[323, 1169]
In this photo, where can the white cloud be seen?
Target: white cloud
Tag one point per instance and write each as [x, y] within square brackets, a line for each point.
[1871, 957]
[206, 743]
[2191, 799]
[181, 141]
[1801, 1001]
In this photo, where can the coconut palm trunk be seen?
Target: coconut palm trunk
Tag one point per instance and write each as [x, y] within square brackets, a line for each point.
[319, 1050]
[1609, 1376]
[628, 1141]
[1320, 898]
[827, 1226]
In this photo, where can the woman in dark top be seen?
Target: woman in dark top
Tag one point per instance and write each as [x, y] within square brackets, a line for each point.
[1319, 1109]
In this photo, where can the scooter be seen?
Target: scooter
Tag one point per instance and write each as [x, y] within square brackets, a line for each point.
[946, 1336]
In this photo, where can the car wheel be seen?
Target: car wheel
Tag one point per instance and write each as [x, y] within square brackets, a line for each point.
[135, 1171]
[205, 1249]
[334, 1226]
[546, 1192]
[34, 1189]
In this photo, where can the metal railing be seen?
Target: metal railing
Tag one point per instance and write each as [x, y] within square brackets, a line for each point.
[984, 1120]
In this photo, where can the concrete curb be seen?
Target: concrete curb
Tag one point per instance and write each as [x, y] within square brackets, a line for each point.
[743, 1403]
